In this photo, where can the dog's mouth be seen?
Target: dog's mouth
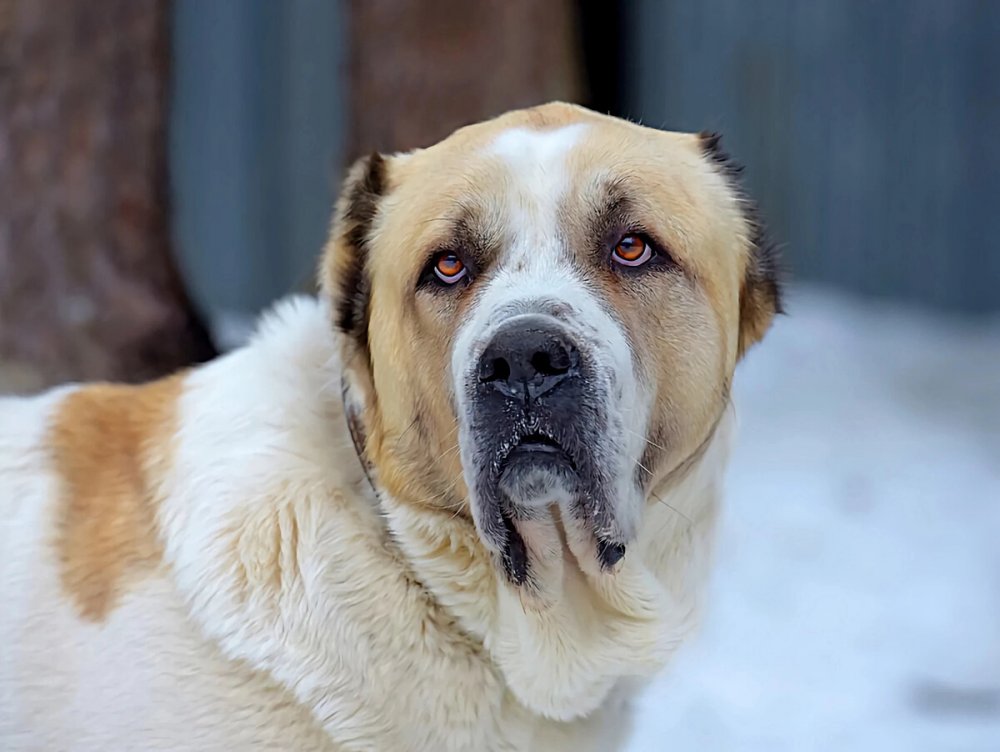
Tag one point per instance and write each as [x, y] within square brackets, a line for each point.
[535, 471]
[536, 474]
[539, 451]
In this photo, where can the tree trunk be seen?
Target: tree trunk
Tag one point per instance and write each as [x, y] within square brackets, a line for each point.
[421, 68]
[88, 285]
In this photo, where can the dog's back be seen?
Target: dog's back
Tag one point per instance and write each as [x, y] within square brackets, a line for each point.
[28, 558]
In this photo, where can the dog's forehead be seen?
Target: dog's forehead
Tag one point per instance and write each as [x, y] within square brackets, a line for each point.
[533, 153]
[532, 181]
[536, 167]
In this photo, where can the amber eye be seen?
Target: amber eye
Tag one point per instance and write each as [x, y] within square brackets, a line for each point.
[632, 250]
[449, 268]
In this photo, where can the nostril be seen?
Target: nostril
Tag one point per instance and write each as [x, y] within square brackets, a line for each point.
[544, 364]
[494, 369]
[501, 369]
[553, 363]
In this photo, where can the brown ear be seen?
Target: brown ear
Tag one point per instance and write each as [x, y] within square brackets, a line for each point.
[344, 270]
[760, 293]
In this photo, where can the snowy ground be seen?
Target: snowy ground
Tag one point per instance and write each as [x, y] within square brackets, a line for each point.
[856, 602]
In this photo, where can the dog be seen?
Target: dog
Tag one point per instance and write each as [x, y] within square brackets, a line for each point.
[462, 500]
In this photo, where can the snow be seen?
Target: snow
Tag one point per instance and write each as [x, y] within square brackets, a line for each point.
[856, 599]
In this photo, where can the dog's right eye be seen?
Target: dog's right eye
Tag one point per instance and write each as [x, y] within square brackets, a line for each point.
[445, 269]
[449, 268]
[632, 250]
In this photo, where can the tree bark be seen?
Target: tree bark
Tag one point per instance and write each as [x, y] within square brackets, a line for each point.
[88, 285]
[421, 68]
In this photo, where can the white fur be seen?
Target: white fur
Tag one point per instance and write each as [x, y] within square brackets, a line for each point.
[293, 612]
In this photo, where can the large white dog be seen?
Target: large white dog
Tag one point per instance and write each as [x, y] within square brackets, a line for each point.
[462, 502]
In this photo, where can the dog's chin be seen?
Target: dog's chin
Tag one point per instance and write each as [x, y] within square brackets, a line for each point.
[536, 487]
[536, 474]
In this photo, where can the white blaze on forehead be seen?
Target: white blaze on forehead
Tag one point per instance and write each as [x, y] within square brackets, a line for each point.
[537, 163]
[530, 147]
[536, 263]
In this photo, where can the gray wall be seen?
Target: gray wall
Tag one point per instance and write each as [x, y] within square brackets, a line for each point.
[255, 144]
[870, 129]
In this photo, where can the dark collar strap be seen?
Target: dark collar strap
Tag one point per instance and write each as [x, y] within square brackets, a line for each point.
[357, 429]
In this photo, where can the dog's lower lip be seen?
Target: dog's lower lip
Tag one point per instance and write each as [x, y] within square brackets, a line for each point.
[537, 451]
[537, 443]
[540, 446]
[537, 446]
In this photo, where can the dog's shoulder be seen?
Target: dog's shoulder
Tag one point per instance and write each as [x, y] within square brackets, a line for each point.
[268, 413]
[78, 471]
[86, 471]
[109, 448]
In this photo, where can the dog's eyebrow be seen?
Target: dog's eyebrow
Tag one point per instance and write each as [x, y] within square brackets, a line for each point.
[611, 212]
[615, 211]
[475, 235]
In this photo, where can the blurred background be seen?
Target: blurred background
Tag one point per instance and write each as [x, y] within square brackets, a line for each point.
[167, 170]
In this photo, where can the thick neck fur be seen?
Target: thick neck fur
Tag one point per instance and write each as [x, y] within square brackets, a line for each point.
[387, 619]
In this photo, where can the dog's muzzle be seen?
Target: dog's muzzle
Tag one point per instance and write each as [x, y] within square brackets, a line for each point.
[537, 414]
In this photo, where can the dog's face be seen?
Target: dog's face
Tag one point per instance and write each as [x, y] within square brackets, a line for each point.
[542, 315]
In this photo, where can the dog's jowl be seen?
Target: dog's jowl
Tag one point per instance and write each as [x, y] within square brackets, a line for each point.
[462, 501]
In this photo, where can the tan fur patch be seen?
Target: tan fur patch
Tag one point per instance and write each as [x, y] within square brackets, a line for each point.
[110, 446]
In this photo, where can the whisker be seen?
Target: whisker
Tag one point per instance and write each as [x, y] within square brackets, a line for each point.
[406, 431]
[672, 508]
[449, 452]
[646, 439]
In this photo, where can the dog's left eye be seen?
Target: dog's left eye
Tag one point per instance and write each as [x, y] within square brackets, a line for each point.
[632, 250]
[449, 268]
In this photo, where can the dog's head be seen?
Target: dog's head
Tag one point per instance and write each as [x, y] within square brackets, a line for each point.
[541, 316]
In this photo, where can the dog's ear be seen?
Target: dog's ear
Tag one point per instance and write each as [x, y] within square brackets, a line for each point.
[760, 290]
[344, 275]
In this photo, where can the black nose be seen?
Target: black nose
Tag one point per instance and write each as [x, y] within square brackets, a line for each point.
[528, 358]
